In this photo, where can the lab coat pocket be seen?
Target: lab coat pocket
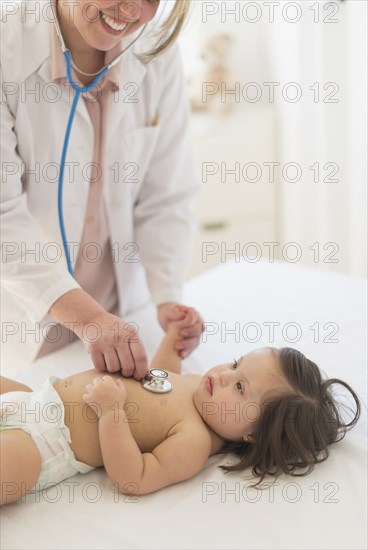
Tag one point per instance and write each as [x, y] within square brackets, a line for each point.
[138, 151]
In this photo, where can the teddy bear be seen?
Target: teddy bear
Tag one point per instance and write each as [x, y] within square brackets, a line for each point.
[208, 87]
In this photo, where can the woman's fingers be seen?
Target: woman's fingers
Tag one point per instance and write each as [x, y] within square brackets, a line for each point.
[140, 358]
[191, 325]
[127, 366]
[190, 331]
[98, 360]
[112, 361]
[118, 347]
[185, 347]
[193, 331]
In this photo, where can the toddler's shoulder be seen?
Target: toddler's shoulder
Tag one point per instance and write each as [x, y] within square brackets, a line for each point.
[194, 435]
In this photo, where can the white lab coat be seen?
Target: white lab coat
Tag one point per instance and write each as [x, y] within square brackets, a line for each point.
[149, 185]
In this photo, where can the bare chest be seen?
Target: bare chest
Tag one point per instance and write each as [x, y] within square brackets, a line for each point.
[151, 416]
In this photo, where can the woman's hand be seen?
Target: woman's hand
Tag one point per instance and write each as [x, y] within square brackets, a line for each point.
[113, 345]
[105, 394]
[190, 332]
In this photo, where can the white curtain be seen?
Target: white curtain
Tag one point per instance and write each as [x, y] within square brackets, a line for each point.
[324, 133]
[325, 129]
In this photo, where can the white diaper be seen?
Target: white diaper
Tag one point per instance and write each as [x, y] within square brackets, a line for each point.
[41, 415]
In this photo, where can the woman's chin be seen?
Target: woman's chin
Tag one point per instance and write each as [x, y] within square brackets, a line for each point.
[106, 43]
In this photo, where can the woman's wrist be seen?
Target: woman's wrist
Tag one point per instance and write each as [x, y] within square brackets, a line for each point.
[75, 308]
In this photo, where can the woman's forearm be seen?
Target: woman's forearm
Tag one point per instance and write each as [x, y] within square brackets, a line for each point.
[76, 307]
[122, 458]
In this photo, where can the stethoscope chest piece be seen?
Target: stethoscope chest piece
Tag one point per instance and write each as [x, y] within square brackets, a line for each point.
[156, 380]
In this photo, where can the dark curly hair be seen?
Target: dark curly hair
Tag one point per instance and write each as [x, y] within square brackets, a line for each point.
[294, 430]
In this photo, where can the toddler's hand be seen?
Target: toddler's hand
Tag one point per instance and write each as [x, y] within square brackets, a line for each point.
[105, 394]
[189, 319]
[188, 330]
[185, 322]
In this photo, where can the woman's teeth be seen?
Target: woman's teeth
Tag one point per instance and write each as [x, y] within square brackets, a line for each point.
[111, 23]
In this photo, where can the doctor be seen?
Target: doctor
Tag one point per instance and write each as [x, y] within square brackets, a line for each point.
[128, 184]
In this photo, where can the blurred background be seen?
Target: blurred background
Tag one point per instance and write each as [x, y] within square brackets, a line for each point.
[278, 125]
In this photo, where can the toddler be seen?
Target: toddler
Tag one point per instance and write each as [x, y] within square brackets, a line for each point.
[271, 407]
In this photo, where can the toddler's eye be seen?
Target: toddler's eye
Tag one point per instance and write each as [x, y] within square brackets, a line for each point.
[235, 364]
[239, 387]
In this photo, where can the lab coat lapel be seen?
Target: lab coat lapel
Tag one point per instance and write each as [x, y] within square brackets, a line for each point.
[122, 111]
[132, 74]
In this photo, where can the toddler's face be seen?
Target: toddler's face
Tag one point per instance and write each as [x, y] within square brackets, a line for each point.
[88, 19]
[230, 396]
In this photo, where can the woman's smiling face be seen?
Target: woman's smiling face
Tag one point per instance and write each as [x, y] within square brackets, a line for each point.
[102, 23]
[230, 396]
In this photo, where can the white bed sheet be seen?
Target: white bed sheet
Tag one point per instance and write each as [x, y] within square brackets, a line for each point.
[326, 509]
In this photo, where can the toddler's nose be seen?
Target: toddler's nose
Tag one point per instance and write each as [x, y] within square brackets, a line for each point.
[224, 377]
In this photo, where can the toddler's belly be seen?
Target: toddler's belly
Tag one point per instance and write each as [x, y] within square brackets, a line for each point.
[80, 418]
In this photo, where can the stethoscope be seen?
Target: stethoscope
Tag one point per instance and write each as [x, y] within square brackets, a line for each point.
[156, 380]
[78, 91]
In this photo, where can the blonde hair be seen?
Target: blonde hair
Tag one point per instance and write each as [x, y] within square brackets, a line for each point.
[169, 30]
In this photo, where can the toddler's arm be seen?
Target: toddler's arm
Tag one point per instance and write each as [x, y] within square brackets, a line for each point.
[181, 456]
[167, 356]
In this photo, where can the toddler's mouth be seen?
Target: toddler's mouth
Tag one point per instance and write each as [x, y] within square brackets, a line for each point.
[209, 385]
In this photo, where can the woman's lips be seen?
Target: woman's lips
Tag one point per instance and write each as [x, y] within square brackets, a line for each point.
[110, 30]
[209, 385]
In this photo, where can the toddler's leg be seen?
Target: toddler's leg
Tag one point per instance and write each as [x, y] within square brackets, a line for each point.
[7, 385]
[20, 465]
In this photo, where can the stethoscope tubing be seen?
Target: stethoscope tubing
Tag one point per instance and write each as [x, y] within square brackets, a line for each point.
[78, 91]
